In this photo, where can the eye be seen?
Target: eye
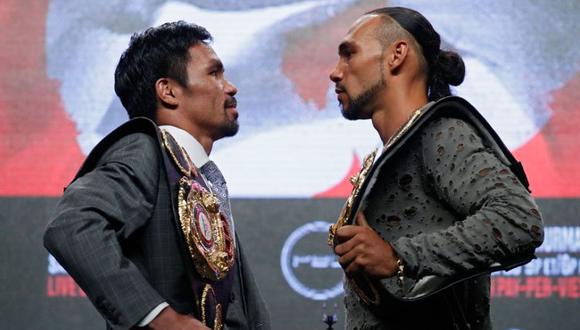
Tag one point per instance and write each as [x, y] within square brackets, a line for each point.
[216, 69]
[345, 53]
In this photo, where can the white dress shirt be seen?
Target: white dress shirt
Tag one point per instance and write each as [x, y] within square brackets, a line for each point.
[193, 148]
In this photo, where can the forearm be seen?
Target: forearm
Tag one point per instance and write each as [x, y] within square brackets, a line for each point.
[491, 216]
[497, 232]
[92, 256]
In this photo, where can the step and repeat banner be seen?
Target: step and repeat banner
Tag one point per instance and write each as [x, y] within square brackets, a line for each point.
[288, 167]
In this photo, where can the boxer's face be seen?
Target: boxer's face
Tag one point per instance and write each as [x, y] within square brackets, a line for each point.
[359, 73]
[208, 98]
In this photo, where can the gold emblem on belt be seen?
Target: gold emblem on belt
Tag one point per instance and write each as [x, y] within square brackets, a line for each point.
[205, 228]
[356, 181]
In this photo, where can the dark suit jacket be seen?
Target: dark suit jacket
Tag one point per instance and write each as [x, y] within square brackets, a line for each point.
[115, 232]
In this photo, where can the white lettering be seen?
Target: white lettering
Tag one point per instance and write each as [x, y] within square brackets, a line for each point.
[559, 239]
[533, 268]
[316, 261]
[560, 265]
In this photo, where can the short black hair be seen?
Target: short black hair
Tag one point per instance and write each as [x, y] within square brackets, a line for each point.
[158, 52]
[444, 67]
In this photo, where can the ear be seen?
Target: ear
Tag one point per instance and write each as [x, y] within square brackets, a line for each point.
[398, 52]
[167, 92]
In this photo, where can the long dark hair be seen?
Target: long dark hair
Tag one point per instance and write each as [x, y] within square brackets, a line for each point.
[444, 67]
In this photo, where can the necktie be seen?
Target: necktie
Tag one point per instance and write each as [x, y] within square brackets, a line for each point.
[218, 185]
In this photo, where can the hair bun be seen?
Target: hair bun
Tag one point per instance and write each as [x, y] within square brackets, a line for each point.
[450, 67]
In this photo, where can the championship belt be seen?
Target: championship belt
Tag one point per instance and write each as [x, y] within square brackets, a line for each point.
[205, 228]
[362, 285]
[366, 289]
[211, 310]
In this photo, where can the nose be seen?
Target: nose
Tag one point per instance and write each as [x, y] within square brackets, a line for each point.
[230, 88]
[336, 74]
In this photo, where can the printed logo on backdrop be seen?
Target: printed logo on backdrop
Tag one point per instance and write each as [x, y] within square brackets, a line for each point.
[59, 283]
[308, 264]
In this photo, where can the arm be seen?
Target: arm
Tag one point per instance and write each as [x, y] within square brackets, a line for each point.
[97, 216]
[500, 218]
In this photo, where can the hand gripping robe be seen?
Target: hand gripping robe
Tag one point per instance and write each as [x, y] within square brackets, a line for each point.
[453, 202]
[139, 226]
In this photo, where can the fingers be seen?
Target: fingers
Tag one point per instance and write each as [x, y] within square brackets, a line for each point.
[351, 255]
[345, 233]
[354, 262]
[345, 246]
[354, 267]
[348, 262]
[349, 237]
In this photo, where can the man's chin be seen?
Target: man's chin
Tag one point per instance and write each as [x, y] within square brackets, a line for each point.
[348, 114]
[231, 128]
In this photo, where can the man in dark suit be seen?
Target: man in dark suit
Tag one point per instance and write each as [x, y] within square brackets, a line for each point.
[145, 228]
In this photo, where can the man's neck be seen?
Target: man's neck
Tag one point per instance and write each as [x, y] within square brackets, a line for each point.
[205, 141]
[176, 119]
[192, 146]
[396, 111]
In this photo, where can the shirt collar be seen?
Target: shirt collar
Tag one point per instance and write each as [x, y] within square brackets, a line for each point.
[193, 148]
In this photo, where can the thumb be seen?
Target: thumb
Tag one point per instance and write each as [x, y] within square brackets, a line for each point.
[361, 220]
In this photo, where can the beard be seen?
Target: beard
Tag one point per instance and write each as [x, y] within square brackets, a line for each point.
[357, 105]
[230, 127]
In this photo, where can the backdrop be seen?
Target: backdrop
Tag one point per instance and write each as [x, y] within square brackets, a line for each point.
[287, 168]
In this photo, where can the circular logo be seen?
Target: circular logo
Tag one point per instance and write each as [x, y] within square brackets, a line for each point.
[309, 265]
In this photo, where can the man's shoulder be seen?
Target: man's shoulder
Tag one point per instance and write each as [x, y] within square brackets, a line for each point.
[446, 125]
[447, 138]
[138, 129]
[132, 143]
[452, 117]
[135, 142]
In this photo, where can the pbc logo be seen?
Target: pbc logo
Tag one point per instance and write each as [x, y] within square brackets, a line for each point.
[308, 264]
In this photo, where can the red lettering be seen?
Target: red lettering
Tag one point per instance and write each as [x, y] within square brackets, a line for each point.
[538, 287]
[50, 292]
[569, 287]
[505, 287]
[63, 286]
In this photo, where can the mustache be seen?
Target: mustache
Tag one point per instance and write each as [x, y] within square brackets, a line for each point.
[231, 102]
[339, 89]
